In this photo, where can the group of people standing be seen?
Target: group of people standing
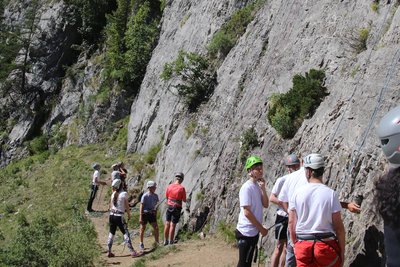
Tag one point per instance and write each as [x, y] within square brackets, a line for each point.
[149, 202]
[309, 227]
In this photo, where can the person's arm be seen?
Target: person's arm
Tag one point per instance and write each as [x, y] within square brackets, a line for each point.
[141, 213]
[264, 197]
[352, 207]
[340, 234]
[250, 216]
[127, 209]
[274, 199]
[285, 206]
[292, 225]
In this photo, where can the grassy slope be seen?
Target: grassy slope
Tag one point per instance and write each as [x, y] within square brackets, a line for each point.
[43, 199]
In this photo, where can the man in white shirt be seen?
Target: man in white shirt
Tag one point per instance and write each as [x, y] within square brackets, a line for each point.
[95, 186]
[315, 222]
[253, 198]
[292, 163]
[294, 181]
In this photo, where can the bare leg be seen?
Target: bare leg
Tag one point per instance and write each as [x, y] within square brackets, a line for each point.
[156, 232]
[142, 229]
[280, 244]
[172, 232]
[166, 230]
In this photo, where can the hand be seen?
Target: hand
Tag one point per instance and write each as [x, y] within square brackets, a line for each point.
[261, 182]
[353, 207]
[264, 231]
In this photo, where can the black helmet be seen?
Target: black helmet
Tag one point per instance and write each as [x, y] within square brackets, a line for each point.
[389, 134]
[180, 175]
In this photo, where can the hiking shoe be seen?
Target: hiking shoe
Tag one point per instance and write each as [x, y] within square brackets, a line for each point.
[171, 242]
[110, 255]
[166, 243]
[141, 246]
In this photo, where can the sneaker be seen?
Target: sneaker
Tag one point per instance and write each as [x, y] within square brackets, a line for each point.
[110, 255]
[166, 243]
[141, 246]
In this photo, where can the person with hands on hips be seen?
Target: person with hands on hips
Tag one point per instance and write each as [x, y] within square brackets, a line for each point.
[253, 198]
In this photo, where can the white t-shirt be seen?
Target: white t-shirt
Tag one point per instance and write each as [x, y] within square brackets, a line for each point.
[276, 190]
[250, 195]
[293, 181]
[115, 175]
[120, 202]
[96, 177]
[314, 204]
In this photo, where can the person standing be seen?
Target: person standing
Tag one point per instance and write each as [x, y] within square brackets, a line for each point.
[294, 181]
[148, 212]
[315, 222]
[118, 206]
[292, 164]
[175, 195]
[253, 198]
[387, 187]
[95, 186]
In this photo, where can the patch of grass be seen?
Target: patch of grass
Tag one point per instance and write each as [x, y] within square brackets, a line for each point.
[248, 140]
[227, 232]
[287, 111]
[225, 39]
[200, 196]
[184, 19]
[375, 6]
[151, 155]
[190, 128]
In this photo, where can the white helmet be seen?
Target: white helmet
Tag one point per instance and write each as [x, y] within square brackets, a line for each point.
[151, 184]
[116, 183]
[314, 161]
[389, 134]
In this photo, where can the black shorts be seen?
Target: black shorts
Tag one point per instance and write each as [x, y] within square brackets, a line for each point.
[173, 214]
[149, 217]
[281, 229]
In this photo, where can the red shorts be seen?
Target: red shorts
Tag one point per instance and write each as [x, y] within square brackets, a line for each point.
[317, 254]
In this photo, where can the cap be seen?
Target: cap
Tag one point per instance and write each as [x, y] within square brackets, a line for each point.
[115, 166]
[292, 159]
[180, 175]
[95, 165]
[151, 184]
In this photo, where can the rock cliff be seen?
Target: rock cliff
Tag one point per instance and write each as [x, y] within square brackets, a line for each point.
[284, 39]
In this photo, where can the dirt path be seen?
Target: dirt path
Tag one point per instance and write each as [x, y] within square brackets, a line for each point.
[207, 252]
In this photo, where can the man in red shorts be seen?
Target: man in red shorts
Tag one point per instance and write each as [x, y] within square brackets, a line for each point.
[315, 222]
[175, 194]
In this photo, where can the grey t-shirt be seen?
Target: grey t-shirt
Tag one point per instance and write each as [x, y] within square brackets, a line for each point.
[149, 201]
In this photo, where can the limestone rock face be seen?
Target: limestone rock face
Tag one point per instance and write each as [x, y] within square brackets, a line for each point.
[284, 39]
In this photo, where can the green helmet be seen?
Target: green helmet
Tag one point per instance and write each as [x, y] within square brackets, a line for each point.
[252, 160]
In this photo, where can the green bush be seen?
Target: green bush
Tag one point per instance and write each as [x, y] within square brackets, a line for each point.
[249, 140]
[287, 111]
[38, 145]
[196, 75]
[225, 39]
